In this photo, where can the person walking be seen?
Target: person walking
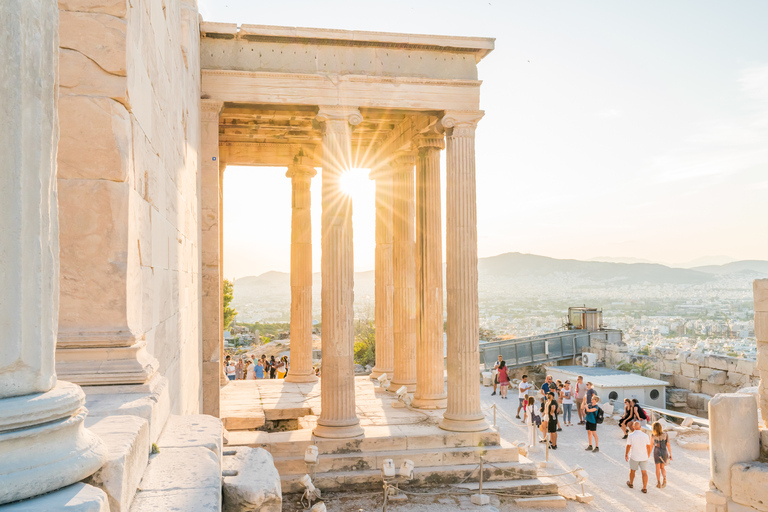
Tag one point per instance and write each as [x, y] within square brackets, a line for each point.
[580, 391]
[496, 374]
[503, 379]
[523, 396]
[272, 367]
[567, 394]
[662, 453]
[552, 427]
[591, 420]
[637, 453]
[556, 390]
[239, 369]
[627, 418]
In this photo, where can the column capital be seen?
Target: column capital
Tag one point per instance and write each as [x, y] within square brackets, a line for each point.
[211, 109]
[461, 120]
[351, 115]
[301, 167]
[403, 159]
[429, 141]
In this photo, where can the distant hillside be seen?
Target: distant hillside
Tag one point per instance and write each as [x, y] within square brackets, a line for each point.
[515, 264]
[747, 267]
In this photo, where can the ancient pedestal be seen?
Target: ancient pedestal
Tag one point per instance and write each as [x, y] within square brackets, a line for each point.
[383, 273]
[404, 271]
[733, 435]
[463, 413]
[43, 444]
[338, 418]
[430, 385]
[301, 174]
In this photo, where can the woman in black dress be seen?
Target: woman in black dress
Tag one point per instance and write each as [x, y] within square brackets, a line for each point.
[628, 416]
[552, 409]
[662, 453]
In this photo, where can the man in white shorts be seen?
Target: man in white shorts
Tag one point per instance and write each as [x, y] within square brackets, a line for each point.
[523, 395]
[637, 453]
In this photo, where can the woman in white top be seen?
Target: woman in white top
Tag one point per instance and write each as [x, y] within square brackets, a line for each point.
[250, 374]
[567, 394]
[231, 371]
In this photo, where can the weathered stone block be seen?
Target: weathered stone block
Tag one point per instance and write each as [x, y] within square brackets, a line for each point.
[689, 370]
[79, 75]
[749, 485]
[760, 293]
[733, 434]
[682, 357]
[256, 484]
[112, 7]
[693, 385]
[77, 497]
[764, 443]
[717, 377]
[100, 37]
[717, 363]
[761, 325]
[745, 366]
[711, 389]
[667, 377]
[737, 379]
[192, 430]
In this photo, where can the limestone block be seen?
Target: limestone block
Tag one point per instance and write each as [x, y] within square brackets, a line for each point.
[112, 7]
[672, 367]
[688, 383]
[736, 379]
[734, 435]
[127, 439]
[79, 75]
[696, 359]
[100, 37]
[745, 366]
[95, 139]
[711, 389]
[677, 395]
[705, 372]
[180, 480]
[761, 325]
[717, 377]
[760, 293]
[689, 370]
[732, 506]
[717, 363]
[192, 430]
[764, 443]
[667, 377]
[749, 485]
[682, 357]
[255, 486]
[77, 497]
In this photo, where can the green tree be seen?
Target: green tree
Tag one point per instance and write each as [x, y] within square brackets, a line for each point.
[229, 313]
[365, 342]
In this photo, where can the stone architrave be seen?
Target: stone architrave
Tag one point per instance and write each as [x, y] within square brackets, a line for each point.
[430, 384]
[301, 174]
[463, 413]
[210, 229]
[44, 445]
[404, 271]
[733, 435]
[338, 418]
[383, 272]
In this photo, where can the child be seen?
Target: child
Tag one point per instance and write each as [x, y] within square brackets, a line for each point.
[533, 420]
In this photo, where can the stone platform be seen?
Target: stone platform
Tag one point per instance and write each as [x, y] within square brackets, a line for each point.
[440, 457]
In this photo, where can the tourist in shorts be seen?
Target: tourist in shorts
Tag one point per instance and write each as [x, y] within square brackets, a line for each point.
[662, 453]
[637, 453]
[591, 422]
[627, 418]
[496, 375]
[503, 380]
[579, 392]
[522, 396]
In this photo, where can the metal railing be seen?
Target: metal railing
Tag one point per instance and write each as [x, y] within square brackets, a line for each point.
[534, 349]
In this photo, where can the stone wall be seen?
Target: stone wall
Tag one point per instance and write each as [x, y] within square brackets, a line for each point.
[128, 178]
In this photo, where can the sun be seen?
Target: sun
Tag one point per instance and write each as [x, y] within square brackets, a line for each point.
[355, 182]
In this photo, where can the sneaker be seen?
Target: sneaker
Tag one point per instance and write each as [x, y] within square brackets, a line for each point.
[493, 393]
[559, 429]
[597, 449]
[589, 448]
[625, 436]
[517, 417]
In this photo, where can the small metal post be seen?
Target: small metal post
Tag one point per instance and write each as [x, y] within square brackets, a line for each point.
[481, 474]
[494, 421]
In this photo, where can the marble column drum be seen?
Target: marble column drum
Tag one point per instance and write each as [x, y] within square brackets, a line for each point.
[338, 418]
[301, 174]
[404, 271]
[463, 413]
[43, 442]
[430, 382]
[383, 273]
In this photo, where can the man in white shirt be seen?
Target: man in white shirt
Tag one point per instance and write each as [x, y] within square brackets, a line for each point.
[496, 374]
[524, 387]
[638, 452]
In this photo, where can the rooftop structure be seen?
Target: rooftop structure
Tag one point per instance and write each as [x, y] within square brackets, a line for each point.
[616, 385]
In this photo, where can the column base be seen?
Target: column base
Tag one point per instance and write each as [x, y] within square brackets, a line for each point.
[394, 386]
[106, 365]
[44, 444]
[376, 372]
[468, 425]
[430, 403]
[293, 377]
[338, 432]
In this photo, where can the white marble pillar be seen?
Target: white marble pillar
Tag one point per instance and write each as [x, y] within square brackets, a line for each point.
[383, 273]
[430, 383]
[760, 294]
[301, 173]
[210, 241]
[463, 413]
[338, 418]
[43, 443]
[404, 271]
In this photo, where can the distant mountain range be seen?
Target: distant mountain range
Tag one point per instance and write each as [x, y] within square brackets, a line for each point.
[514, 266]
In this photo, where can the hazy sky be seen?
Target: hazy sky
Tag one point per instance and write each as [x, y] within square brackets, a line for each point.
[612, 128]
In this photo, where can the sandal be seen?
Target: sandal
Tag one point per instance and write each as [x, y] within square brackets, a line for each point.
[658, 485]
[645, 491]
[629, 484]
[664, 484]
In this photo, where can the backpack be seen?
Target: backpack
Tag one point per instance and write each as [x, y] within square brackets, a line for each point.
[599, 415]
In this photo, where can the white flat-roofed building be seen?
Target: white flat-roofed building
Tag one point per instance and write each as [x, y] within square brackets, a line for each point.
[615, 385]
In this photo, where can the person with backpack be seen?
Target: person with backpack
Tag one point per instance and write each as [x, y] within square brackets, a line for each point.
[594, 416]
[638, 412]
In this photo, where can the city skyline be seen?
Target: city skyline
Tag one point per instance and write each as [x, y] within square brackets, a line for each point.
[622, 130]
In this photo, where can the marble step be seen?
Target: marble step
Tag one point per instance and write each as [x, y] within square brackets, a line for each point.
[542, 486]
[422, 476]
[376, 439]
[505, 452]
[547, 502]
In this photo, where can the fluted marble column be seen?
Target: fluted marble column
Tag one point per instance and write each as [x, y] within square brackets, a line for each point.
[383, 272]
[404, 271]
[301, 174]
[43, 442]
[430, 384]
[338, 418]
[463, 413]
